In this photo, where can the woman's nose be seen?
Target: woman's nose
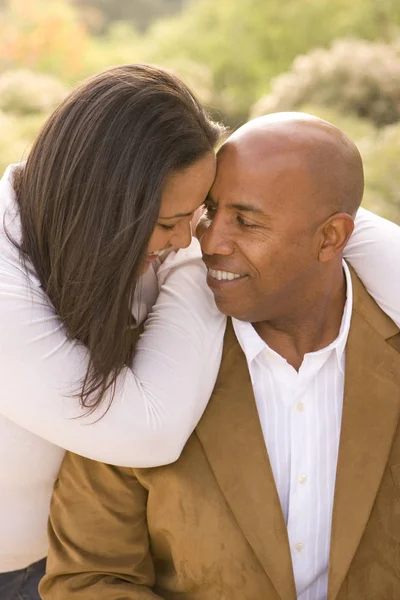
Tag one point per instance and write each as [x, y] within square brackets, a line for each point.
[183, 235]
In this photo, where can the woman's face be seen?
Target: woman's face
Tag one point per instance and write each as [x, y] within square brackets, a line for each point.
[183, 193]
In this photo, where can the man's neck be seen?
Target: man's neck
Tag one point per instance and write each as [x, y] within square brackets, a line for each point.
[313, 325]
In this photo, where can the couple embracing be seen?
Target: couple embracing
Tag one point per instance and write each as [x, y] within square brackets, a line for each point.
[264, 385]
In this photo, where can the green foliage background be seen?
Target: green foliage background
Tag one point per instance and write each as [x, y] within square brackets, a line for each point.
[334, 58]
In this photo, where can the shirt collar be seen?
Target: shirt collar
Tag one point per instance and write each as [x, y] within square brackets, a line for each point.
[248, 338]
[252, 344]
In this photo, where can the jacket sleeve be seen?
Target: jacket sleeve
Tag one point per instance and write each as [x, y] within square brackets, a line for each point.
[99, 544]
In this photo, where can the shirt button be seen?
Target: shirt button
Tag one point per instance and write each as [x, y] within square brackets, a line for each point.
[299, 547]
[302, 478]
[300, 406]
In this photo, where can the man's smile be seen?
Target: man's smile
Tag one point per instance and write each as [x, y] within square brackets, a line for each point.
[217, 278]
[224, 275]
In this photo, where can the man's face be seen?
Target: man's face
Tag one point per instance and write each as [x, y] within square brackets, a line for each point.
[260, 247]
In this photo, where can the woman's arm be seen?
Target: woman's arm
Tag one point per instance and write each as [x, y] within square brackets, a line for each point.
[374, 252]
[158, 401]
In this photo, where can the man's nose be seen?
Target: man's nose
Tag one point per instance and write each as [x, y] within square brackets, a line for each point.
[216, 239]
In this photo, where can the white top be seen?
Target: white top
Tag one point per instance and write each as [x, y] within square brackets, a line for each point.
[156, 407]
[300, 414]
[158, 401]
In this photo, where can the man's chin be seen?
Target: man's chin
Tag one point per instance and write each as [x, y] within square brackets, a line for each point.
[228, 295]
[228, 308]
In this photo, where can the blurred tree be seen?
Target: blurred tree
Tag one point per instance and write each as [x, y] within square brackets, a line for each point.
[26, 98]
[354, 76]
[99, 14]
[41, 35]
[121, 44]
[245, 44]
[17, 133]
[24, 92]
[381, 161]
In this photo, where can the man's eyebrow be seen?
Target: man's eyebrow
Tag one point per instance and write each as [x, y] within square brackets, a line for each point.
[177, 216]
[238, 206]
[246, 208]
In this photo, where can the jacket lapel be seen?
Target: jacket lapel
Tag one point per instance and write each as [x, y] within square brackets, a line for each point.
[371, 410]
[232, 439]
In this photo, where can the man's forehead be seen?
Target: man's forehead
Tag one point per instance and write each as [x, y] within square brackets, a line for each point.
[276, 191]
[276, 170]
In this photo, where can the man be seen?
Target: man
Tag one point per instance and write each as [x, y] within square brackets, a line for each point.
[264, 503]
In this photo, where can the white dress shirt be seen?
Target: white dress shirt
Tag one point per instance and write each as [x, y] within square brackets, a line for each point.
[300, 414]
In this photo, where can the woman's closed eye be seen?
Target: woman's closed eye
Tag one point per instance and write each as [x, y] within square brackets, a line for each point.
[167, 227]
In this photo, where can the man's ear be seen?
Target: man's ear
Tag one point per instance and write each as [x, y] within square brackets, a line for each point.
[334, 235]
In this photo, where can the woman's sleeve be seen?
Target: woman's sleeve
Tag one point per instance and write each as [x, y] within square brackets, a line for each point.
[158, 401]
[373, 251]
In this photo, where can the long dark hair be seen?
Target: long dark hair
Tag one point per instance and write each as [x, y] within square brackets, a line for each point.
[89, 197]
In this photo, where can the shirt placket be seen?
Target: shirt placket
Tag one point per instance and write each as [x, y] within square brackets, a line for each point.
[303, 494]
[300, 494]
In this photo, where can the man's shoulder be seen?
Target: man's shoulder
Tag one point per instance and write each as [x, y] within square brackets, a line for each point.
[366, 309]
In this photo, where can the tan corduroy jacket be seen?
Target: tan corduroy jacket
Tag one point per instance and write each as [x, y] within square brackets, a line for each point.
[210, 526]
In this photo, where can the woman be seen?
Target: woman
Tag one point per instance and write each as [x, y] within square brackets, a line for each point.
[111, 183]
[108, 189]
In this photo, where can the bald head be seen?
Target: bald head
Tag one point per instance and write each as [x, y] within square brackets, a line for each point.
[280, 213]
[312, 152]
